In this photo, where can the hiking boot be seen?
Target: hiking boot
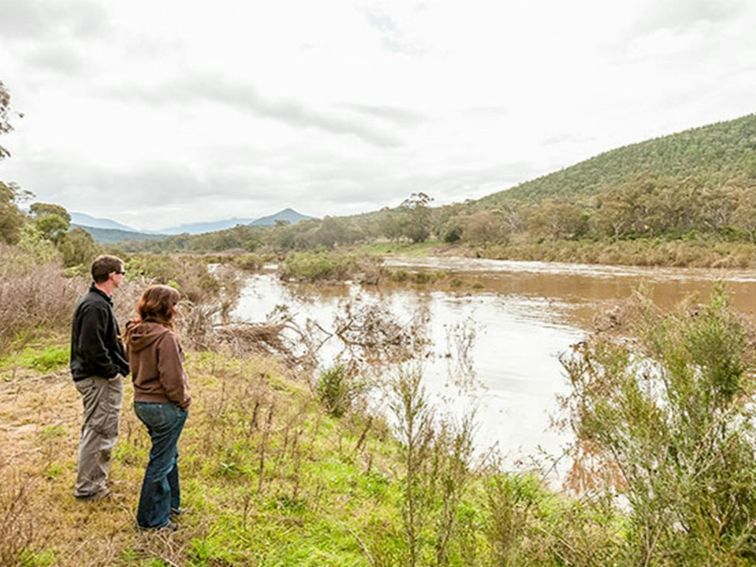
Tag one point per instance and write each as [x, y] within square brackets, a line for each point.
[99, 495]
[167, 527]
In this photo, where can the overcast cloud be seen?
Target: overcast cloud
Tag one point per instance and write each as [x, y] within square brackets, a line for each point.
[161, 113]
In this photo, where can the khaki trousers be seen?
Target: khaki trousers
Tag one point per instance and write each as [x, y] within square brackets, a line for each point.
[102, 399]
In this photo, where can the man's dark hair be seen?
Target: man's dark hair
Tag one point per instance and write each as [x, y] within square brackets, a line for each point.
[103, 266]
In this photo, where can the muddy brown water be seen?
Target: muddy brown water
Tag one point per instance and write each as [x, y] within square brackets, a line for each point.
[510, 320]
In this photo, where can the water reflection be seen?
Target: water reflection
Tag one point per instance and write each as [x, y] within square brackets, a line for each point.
[509, 346]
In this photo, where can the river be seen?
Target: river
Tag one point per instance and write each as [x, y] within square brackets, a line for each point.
[511, 320]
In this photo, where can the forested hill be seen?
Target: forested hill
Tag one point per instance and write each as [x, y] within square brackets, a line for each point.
[712, 154]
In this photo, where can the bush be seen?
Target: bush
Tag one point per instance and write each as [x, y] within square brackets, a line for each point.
[188, 274]
[335, 390]
[33, 296]
[249, 262]
[319, 266]
[417, 277]
[668, 422]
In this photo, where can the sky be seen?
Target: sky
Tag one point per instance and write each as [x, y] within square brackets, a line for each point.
[159, 113]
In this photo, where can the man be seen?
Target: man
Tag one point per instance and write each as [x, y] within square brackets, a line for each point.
[98, 361]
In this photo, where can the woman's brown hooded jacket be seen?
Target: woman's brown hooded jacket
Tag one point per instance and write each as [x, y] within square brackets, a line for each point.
[157, 364]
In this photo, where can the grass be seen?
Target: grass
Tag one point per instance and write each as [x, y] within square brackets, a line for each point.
[412, 249]
[314, 493]
[48, 358]
[270, 477]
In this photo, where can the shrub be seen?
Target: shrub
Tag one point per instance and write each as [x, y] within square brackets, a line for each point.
[249, 262]
[418, 277]
[335, 390]
[668, 422]
[17, 525]
[188, 274]
[319, 266]
[33, 296]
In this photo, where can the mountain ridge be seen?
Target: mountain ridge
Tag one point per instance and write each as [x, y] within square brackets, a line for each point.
[713, 152]
[83, 219]
[110, 231]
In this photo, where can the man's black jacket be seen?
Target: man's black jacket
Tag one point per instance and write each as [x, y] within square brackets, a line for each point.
[96, 348]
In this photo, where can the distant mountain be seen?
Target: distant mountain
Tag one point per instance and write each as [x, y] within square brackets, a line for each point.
[287, 215]
[113, 236]
[106, 231]
[712, 153]
[201, 227]
[85, 220]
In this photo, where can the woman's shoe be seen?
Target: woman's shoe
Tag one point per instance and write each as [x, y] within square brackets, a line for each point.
[166, 527]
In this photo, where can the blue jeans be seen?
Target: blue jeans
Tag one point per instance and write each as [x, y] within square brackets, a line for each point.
[160, 488]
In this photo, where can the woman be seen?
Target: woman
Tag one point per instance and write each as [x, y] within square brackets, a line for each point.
[161, 399]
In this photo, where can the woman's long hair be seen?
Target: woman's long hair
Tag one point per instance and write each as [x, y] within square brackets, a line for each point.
[157, 305]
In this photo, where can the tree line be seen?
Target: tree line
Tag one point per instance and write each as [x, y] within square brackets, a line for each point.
[647, 207]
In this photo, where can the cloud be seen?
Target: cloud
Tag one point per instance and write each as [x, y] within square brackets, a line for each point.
[398, 116]
[679, 15]
[56, 59]
[247, 98]
[39, 19]
[557, 139]
[392, 38]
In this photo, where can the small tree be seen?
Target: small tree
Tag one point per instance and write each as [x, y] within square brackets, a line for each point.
[77, 247]
[484, 227]
[416, 217]
[11, 217]
[5, 125]
[557, 220]
[52, 221]
[744, 216]
[39, 210]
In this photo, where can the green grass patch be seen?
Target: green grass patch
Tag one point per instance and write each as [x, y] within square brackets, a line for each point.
[413, 249]
[54, 431]
[42, 359]
[44, 558]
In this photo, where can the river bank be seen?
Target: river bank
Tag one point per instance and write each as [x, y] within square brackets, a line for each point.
[694, 253]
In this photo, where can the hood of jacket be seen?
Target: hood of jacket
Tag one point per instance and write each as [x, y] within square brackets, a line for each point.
[141, 335]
